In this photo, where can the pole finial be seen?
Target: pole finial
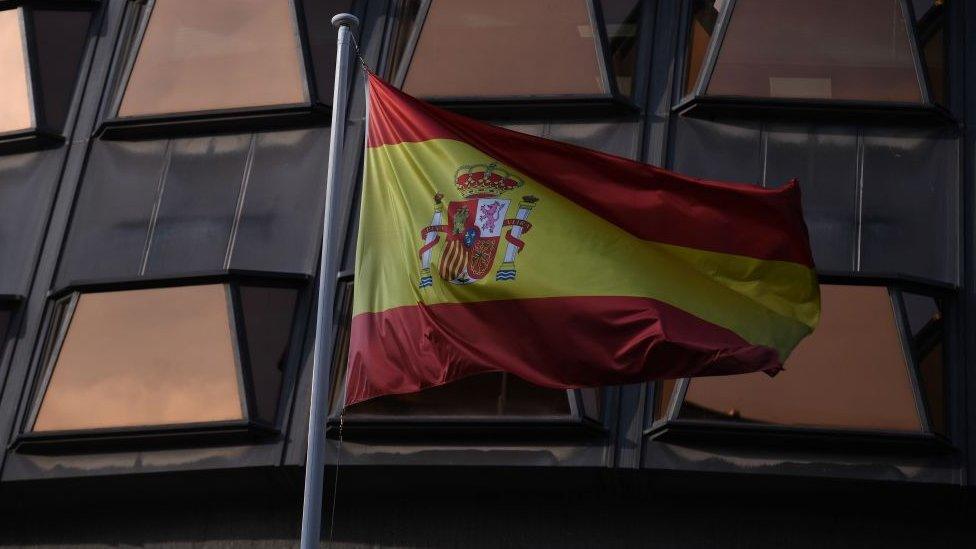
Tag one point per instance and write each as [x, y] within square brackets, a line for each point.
[345, 20]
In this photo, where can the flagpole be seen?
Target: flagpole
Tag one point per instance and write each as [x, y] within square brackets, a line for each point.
[328, 269]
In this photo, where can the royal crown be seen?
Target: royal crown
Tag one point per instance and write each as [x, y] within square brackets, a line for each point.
[482, 179]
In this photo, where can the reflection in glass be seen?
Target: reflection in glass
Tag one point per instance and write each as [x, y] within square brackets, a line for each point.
[817, 49]
[267, 314]
[926, 326]
[59, 46]
[930, 28]
[622, 20]
[15, 95]
[472, 48]
[216, 54]
[704, 16]
[142, 358]
[850, 373]
[662, 399]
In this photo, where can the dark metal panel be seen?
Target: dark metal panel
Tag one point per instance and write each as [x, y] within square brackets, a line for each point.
[25, 466]
[909, 203]
[198, 204]
[621, 138]
[728, 151]
[27, 182]
[282, 205]
[824, 159]
[107, 235]
[783, 461]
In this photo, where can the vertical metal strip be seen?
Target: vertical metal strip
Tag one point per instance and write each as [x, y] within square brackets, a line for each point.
[154, 216]
[239, 210]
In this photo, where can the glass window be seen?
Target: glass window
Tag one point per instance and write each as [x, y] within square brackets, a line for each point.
[817, 49]
[142, 358]
[59, 46]
[40, 98]
[15, 94]
[925, 322]
[491, 394]
[622, 19]
[851, 373]
[216, 54]
[663, 396]
[5, 315]
[704, 16]
[930, 27]
[267, 316]
[506, 48]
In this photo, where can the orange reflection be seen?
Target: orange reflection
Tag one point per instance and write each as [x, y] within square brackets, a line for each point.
[505, 48]
[15, 107]
[144, 357]
[817, 49]
[217, 54]
[850, 373]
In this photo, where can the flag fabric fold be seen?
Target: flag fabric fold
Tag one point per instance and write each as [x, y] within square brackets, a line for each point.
[482, 249]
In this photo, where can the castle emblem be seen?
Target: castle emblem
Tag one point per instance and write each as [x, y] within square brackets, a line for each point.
[474, 228]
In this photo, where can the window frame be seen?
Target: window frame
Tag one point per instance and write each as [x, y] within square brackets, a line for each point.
[315, 111]
[41, 134]
[581, 421]
[613, 103]
[699, 104]
[671, 428]
[57, 320]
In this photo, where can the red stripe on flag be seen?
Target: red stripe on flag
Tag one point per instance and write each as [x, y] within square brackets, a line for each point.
[649, 202]
[616, 340]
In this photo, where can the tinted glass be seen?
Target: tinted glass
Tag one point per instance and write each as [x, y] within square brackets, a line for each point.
[5, 315]
[704, 16]
[662, 400]
[216, 54]
[267, 317]
[322, 38]
[930, 28]
[491, 394]
[817, 49]
[59, 40]
[15, 99]
[144, 357]
[850, 373]
[926, 325]
[472, 48]
[622, 19]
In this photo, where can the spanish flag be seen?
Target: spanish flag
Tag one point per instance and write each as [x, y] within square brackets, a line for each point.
[482, 249]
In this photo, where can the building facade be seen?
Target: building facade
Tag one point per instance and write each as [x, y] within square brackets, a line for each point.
[162, 179]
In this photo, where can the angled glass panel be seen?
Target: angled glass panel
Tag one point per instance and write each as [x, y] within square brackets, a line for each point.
[851, 373]
[16, 112]
[59, 46]
[216, 54]
[930, 27]
[483, 395]
[5, 314]
[138, 358]
[506, 48]
[704, 17]
[817, 49]
[267, 314]
[664, 392]
[927, 332]
[622, 20]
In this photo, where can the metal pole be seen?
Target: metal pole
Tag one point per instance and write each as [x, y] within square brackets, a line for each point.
[328, 269]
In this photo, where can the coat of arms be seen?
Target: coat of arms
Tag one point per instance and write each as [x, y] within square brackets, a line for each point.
[474, 228]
